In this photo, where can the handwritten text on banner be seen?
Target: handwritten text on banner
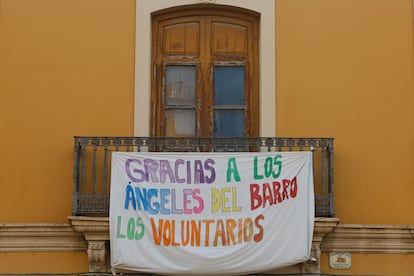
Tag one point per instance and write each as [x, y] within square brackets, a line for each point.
[210, 213]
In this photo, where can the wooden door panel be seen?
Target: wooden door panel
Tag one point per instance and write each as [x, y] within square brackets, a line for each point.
[181, 39]
[228, 38]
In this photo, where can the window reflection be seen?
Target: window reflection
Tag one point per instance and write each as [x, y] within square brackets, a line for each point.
[229, 85]
[229, 123]
[180, 123]
[180, 85]
[229, 101]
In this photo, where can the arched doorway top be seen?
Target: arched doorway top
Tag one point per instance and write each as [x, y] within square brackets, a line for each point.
[202, 9]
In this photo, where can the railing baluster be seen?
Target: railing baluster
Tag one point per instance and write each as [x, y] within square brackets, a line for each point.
[76, 174]
[105, 168]
[324, 190]
[95, 148]
[331, 178]
[83, 168]
[116, 142]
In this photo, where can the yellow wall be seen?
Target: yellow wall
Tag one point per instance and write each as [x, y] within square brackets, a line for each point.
[344, 69]
[66, 68]
[43, 262]
[374, 264]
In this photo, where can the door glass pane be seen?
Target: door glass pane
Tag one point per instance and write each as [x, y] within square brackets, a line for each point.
[180, 85]
[229, 85]
[179, 122]
[229, 123]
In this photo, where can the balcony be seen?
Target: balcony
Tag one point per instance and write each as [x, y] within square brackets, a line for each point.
[92, 164]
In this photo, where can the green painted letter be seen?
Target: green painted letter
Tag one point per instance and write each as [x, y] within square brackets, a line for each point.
[256, 175]
[232, 169]
[118, 229]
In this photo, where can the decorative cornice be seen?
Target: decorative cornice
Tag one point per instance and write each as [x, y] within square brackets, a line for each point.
[333, 237]
[39, 237]
[362, 238]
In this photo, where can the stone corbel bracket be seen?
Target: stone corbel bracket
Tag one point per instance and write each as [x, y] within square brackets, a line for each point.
[322, 227]
[96, 233]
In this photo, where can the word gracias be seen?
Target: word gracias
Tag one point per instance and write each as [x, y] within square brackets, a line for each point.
[194, 171]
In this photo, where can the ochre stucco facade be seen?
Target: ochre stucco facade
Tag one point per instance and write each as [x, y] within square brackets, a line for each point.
[343, 69]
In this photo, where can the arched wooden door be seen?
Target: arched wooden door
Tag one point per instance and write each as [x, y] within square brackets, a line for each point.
[205, 79]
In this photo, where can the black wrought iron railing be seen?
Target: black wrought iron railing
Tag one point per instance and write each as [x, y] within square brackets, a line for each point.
[92, 163]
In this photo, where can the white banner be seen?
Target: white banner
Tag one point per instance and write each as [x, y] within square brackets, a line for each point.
[210, 213]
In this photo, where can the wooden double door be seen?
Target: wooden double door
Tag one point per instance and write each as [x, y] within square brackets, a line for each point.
[205, 80]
